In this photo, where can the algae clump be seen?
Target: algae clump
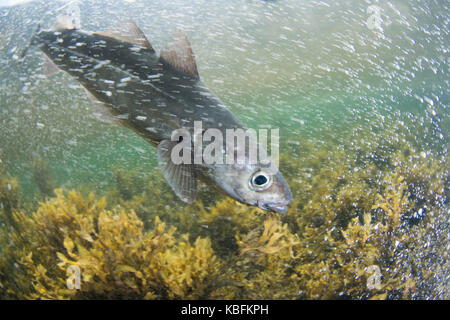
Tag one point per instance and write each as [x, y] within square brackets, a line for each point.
[365, 223]
[115, 256]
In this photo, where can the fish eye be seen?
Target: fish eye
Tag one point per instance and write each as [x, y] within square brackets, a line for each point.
[260, 181]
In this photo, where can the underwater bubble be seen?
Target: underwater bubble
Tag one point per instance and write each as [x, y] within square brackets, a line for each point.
[39, 125]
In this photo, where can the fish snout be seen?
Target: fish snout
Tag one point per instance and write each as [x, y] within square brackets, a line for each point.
[279, 207]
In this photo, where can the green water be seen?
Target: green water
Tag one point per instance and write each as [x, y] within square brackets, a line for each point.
[314, 69]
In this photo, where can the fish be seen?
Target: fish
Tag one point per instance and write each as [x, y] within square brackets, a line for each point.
[154, 95]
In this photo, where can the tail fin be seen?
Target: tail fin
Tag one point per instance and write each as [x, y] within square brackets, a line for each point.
[62, 22]
[35, 32]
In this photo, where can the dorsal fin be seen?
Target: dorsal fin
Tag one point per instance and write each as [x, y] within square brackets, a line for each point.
[179, 54]
[128, 31]
[63, 22]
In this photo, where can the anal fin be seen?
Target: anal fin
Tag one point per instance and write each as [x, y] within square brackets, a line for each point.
[50, 68]
[101, 111]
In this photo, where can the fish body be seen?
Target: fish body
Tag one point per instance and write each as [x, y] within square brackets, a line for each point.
[154, 95]
[135, 83]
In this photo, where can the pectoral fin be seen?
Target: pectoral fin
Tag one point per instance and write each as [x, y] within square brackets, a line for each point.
[181, 177]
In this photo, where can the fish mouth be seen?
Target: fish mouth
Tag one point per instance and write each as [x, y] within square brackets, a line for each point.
[279, 207]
